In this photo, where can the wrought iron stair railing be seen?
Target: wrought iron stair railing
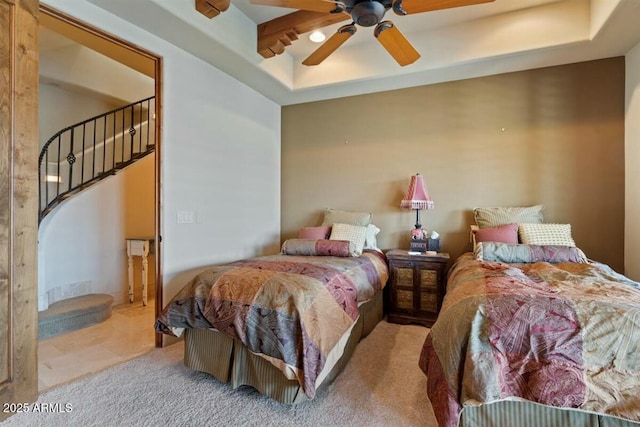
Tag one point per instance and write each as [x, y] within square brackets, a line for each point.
[80, 155]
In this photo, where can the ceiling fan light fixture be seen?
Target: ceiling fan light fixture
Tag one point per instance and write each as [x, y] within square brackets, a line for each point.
[317, 36]
[365, 13]
[368, 13]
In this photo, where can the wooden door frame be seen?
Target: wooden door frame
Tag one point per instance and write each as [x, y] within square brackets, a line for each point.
[121, 49]
[18, 204]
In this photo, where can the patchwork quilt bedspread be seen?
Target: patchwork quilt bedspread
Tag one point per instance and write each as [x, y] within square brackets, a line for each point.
[288, 309]
[564, 335]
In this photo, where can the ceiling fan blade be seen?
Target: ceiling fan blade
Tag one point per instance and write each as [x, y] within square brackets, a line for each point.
[396, 43]
[408, 7]
[330, 46]
[312, 5]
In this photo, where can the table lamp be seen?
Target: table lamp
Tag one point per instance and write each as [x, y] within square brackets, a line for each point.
[417, 198]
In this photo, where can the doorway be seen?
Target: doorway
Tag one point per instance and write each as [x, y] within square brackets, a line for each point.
[144, 62]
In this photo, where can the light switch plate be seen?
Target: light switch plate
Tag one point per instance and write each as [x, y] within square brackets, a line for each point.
[184, 217]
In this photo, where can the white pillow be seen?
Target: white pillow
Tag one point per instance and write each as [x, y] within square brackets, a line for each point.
[370, 241]
[546, 234]
[355, 234]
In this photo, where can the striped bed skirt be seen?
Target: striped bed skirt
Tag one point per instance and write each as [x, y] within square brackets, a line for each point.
[229, 361]
[529, 414]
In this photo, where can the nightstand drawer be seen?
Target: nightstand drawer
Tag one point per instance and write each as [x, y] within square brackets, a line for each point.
[405, 276]
[404, 299]
[429, 280]
[429, 302]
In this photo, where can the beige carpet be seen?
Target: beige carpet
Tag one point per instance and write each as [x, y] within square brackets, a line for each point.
[381, 386]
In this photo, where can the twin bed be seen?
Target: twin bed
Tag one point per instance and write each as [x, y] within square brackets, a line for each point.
[532, 333]
[284, 324]
[529, 334]
[563, 335]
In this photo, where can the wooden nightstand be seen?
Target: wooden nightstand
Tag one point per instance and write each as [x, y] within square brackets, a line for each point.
[416, 286]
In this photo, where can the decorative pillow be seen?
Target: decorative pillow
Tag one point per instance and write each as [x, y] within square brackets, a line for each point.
[504, 234]
[355, 234]
[493, 217]
[546, 234]
[370, 241]
[316, 247]
[321, 232]
[502, 252]
[333, 216]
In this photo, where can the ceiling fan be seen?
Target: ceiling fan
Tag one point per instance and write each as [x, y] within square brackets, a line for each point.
[367, 13]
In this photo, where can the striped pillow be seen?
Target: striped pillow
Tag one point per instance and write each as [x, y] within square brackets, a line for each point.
[546, 234]
[502, 252]
[315, 247]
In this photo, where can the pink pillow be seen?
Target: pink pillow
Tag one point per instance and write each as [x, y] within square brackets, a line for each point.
[503, 234]
[316, 233]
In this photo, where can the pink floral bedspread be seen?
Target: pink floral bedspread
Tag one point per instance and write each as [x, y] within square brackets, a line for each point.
[565, 335]
[292, 310]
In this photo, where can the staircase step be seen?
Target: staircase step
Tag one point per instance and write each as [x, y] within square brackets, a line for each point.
[74, 313]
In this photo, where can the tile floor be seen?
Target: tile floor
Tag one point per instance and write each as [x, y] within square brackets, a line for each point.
[128, 333]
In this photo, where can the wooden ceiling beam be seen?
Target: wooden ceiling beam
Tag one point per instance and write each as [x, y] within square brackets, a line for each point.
[211, 8]
[275, 35]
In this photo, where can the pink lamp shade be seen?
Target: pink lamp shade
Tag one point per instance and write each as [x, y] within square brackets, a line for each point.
[418, 196]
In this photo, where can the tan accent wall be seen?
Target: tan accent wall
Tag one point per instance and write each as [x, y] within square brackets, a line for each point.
[552, 136]
[632, 165]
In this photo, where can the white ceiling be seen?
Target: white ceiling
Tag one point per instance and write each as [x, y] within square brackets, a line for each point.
[498, 37]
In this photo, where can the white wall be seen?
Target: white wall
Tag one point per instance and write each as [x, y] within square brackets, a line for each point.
[220, 157]
[81, 245]
[632, 164]
[69, 258]
[60, 107]
[82, 67]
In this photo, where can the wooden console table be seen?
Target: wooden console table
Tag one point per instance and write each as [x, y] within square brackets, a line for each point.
[139, 246]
